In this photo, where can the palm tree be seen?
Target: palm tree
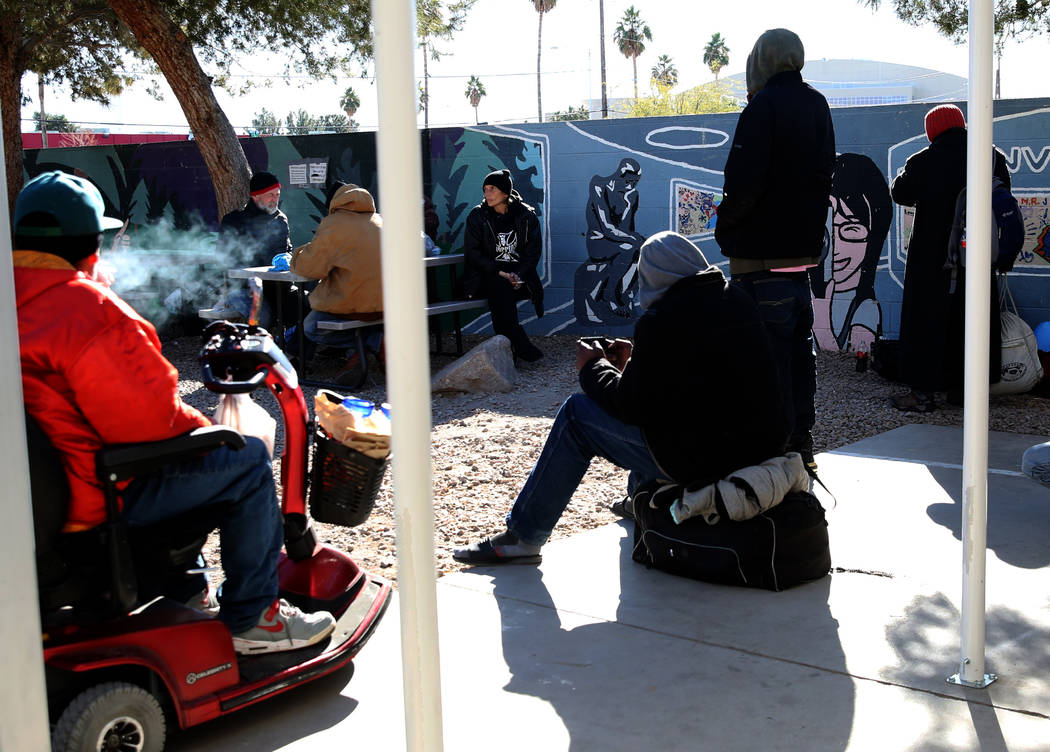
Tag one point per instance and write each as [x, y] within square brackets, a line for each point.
[630, 32]
[349, 102]
[436, 20]
[475, 91]
[541, 6]
[716, 54]
[664, 73]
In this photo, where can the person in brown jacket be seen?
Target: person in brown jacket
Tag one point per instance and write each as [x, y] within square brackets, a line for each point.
[345, 256]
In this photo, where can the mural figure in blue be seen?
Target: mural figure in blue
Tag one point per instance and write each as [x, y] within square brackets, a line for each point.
[606, 283]
[846, 313]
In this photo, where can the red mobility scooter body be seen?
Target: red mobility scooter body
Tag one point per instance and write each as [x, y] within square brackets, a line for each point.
[183, 658]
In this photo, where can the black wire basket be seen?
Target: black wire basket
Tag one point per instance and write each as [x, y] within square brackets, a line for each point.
[343, 483]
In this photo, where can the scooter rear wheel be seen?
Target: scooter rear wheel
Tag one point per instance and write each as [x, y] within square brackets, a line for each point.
[115, 716]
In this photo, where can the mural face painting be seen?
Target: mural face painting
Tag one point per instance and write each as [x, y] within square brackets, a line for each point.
[589, 263]
[605, 284]
[846, 314]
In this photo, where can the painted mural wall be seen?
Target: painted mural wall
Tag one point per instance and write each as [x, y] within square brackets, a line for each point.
[600, 188]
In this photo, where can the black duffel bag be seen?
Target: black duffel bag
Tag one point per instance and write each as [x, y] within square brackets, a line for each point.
[782, 547]
[886, 359]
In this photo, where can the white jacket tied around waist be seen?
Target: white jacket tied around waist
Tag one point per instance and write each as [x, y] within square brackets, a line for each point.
[747, 492]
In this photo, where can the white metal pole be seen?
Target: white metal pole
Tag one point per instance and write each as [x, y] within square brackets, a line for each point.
[408, 373]
[23, 699]
[975, 416]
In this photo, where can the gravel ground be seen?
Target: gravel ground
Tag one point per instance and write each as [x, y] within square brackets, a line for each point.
[484, 445]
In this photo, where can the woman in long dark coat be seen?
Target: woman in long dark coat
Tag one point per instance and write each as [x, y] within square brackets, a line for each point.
[932, 316]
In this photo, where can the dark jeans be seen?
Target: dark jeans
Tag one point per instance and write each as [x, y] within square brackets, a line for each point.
[503, 305]
[582, 431]
[251, 533]
[786, 305]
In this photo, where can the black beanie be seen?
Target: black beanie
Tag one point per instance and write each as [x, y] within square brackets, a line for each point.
[500, 179]
[262, 182]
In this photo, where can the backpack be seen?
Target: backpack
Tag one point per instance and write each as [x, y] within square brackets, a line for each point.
[1007, 231]
[885, 358]
[779, 548]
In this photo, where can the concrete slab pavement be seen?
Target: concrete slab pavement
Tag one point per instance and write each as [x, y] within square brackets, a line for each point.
[590, 651]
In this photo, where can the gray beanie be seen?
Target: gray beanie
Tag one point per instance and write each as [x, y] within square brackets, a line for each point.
[666, 257]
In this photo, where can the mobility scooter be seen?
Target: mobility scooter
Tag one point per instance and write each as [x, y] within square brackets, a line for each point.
[124, 658]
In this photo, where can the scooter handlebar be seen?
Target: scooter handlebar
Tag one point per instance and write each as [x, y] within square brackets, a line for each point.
[231, 387]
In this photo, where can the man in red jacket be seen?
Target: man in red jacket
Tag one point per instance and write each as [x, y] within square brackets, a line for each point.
[93, 374]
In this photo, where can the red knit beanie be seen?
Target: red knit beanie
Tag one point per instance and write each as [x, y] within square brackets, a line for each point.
[941, 118]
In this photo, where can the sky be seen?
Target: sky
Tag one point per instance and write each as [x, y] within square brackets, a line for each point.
[499, 44]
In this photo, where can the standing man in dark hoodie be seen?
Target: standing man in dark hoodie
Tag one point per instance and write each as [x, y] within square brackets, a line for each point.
[772, 217]
[503, 246]
[933, 317]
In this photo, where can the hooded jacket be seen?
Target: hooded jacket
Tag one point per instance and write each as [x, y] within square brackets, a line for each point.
[345, 256]
[92, 374]
[701, 382]
[778, 174]
[480, 243]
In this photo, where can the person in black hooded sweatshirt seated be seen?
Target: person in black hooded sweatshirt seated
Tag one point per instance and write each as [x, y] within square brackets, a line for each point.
[503, 246]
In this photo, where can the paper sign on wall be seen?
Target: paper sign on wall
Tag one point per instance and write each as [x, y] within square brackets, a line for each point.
[307, 173]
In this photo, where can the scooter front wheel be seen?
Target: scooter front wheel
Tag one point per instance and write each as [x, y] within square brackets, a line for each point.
[115, 716]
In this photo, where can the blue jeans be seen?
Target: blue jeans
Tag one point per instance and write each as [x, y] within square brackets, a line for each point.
[250, 534]
[786, 305]
[373, 335]
[582, 430]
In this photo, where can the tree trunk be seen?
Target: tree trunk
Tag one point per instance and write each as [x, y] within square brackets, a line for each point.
[173, 54]
[11, 70]
[634, 62]
[426, 89]
[475, 114]
[539, 51]
[43, 117]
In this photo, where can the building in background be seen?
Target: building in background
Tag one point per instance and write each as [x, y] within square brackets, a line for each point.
[845, 83]
[853, 83]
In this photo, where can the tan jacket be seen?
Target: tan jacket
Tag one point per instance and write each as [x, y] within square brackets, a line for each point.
[344, 255]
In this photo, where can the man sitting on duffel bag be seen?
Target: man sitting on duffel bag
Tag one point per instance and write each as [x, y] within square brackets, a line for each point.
[693, 400]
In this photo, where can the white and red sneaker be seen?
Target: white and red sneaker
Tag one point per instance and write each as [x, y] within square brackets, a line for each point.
[284, 627]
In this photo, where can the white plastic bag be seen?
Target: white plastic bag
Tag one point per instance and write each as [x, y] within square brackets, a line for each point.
[1021, 367]
[241, 413]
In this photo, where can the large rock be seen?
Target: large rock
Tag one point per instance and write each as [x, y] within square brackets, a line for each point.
[489, 367]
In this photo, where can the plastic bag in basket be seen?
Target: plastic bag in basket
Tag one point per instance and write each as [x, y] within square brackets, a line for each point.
[371, 438]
